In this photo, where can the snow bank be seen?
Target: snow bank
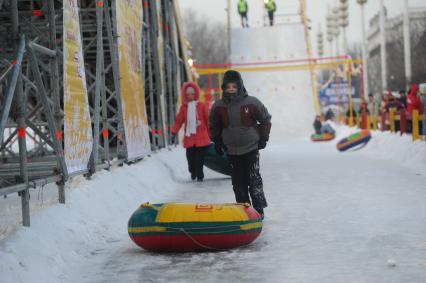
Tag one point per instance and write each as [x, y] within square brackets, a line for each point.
[61, 236]
[398, 149]
[390, 147]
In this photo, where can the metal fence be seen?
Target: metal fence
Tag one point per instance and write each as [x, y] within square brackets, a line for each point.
[31, 87]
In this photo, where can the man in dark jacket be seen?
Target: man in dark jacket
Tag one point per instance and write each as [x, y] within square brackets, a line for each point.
[403, 98]
[240, 125]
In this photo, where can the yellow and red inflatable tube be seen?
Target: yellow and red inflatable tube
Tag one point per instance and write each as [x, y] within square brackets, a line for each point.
[180, 227]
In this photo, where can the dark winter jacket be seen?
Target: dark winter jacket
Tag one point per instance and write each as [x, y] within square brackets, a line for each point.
[239, 120]
[329, 115]
[348, 113]
[403, 101]
[393, 103]
[317, 126]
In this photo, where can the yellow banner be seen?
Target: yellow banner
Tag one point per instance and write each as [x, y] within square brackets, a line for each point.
[129, 29]
[78, 138]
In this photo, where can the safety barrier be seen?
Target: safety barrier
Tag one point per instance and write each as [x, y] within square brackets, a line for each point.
[394, 121]
[210, 75]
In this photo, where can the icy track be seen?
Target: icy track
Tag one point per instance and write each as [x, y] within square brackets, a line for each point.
[332, 217]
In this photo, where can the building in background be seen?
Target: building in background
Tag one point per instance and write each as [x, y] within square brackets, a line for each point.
[395, 50]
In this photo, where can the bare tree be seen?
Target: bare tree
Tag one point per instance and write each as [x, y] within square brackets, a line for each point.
[395, 55]
[207, 38]
[355, 50]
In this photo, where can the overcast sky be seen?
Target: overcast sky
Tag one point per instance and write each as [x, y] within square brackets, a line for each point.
[214, 10]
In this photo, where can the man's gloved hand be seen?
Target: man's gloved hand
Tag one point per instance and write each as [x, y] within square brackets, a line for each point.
[219, 147]
[173, 139]
[262, 143]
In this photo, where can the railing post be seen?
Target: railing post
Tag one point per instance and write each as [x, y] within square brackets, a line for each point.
[368, 122]
[364, 117]
[402, 121]
[415, 122]
[375, 122]
[383, 126]
[423, 118]
[392, 120]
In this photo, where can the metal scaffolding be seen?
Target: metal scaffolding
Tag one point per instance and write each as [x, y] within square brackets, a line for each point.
[31, 87]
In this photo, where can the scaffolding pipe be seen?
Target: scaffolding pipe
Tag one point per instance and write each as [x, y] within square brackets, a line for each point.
[6, 72]
[54, 79]
[43, 50]
[21, 108]
[99, 71]
[13, 82]
[383, 53]
[49, 114]
[407, 45]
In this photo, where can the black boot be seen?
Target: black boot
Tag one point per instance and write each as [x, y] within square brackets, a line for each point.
[260, 211]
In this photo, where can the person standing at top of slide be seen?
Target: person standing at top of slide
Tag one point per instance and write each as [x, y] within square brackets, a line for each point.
[243, 10]
[271, 7]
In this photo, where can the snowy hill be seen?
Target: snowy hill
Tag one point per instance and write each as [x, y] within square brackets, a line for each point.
[288, 95]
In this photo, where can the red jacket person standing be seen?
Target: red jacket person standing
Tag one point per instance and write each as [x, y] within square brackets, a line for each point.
[240, 125]
[194, 115]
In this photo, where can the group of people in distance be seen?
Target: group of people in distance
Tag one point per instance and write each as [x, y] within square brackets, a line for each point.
[323, 127]
[398, 101]
[376, 105]
[243, 8]
[238, 124]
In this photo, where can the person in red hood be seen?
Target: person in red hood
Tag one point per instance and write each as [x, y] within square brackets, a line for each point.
[195, 116]
[414, 103]
[413, 100]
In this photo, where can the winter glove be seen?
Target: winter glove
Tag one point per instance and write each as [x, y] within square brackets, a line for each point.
[219, 147]
[173, 139]
[262, 143]
[219, 150]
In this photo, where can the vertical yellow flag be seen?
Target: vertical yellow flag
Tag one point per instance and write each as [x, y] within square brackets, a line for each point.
[129, 29]
[77, 123]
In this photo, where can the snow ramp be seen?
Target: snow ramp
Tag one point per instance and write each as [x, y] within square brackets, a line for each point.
[287, 92]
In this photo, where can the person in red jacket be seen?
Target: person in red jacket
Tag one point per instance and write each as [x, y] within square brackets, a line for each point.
[413, 100]
[414, 103]
[195, 116]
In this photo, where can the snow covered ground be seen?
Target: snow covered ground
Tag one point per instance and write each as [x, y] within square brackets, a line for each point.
[332, 217]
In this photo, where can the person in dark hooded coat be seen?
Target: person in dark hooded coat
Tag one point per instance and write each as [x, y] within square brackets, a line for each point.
[240, 125]
[317, 125]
